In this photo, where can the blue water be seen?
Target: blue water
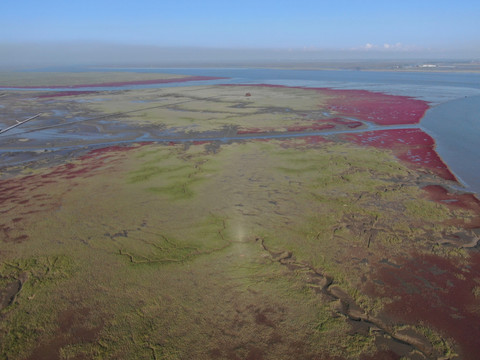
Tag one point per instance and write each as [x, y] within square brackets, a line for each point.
[455, 126]
[340, 76]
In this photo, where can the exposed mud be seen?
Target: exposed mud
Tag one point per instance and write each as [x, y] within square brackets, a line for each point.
[73, 328]
[9, 292]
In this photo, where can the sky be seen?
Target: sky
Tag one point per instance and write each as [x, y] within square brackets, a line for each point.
[349, 27]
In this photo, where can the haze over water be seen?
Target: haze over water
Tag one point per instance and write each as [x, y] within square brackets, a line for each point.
[55, 32]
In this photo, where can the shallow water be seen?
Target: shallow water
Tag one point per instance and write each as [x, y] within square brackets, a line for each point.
[455, 125]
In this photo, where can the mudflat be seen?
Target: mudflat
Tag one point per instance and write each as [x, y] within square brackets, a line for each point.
[230, 222]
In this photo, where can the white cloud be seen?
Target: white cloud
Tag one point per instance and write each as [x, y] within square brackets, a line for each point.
[385, 47]
[397, 46]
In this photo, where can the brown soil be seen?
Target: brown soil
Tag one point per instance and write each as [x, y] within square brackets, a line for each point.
[8, 294]
[71, 330]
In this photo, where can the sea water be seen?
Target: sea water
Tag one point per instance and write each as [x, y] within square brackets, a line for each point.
[455, 126]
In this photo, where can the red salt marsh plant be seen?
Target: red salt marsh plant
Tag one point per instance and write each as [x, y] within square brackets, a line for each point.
[379, 108]
[24, 196]
[454, 202]
[435, 291]
[314, 127]
[413, 146]
[252, 131]
[461, 201]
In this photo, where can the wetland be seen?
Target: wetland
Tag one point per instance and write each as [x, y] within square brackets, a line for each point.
[229, 219]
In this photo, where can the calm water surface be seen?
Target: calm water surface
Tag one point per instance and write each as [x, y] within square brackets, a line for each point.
[455, 126]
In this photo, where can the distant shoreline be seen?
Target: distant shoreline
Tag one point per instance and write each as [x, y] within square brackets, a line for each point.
[299, 68]
[425, 71]
[414, 66]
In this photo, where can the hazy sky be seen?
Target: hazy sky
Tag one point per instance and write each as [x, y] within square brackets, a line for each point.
[408, 26]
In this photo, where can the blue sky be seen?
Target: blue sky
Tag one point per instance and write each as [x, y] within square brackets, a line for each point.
[449, 29]
[336, 24]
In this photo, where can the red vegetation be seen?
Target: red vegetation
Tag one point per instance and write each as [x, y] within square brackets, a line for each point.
[382, 109]
[379, 108]
[410, 145]
[315, 126]
[71, 331]
[463, 201]
[437, 291]
[23, 196]
[312, 140]
[456, 201]
[200, 142]
[122, 83]
[106, 150]
[251, 131]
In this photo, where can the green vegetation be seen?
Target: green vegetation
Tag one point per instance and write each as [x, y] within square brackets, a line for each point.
[171, 173]
[30, 311]
[426, 210]
[476, 292]
[247, 249]
[154, 248]
[213, 108]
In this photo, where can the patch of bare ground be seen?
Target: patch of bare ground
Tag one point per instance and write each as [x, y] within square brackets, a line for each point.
[9, 292]
[74, 327]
